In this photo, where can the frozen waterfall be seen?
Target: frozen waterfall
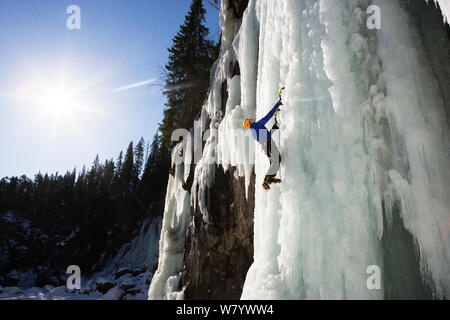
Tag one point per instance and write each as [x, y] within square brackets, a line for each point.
[364, 140]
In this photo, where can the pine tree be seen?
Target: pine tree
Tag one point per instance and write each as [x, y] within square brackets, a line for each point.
[138, 162]
[119, 163]
[149, 182]
[99, 206]
[187, 77]
[126, 174]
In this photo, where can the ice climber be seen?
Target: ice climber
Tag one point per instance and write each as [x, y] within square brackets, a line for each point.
[264, 137]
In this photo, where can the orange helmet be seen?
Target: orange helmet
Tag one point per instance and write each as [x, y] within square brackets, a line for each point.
[247, 123]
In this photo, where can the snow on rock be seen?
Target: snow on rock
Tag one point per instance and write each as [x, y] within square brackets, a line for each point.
[113, 294]
[445, 8]
[47, 288]
[58, 291]
[12, 291]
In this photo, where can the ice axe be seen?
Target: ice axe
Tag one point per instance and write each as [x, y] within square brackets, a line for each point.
[275, 126]
[279, 93]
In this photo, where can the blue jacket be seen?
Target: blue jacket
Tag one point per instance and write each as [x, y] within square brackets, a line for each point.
[259, 130]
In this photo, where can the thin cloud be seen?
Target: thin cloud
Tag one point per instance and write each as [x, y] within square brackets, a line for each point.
[135, 85]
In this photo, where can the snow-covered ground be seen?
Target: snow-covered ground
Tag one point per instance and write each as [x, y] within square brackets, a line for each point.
[364, 139]
[46, 293]
[127, 276]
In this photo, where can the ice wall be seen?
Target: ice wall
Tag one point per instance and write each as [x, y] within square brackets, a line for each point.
[445, 7]
[364, 139]
[142, 250]
[315, 235]
[164, 284]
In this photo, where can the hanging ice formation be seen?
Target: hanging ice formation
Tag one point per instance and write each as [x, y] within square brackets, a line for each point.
[365, 148]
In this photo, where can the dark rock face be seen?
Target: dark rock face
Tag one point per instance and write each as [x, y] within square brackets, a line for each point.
[238, 6]
[217, 257]
[401, 272]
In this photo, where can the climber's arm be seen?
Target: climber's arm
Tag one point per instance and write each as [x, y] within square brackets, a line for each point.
[268, 116]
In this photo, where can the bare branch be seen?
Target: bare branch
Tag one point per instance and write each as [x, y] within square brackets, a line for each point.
[214, 3]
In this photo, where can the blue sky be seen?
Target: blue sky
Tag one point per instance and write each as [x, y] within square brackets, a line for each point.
[121, 42]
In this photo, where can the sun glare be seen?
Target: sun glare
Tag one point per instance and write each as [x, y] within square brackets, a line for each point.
[55, 101]
[58, 103]
[61, 102]
[49, 99]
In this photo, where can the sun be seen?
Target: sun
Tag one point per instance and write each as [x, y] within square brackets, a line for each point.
[54, 103]
[57, 102]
